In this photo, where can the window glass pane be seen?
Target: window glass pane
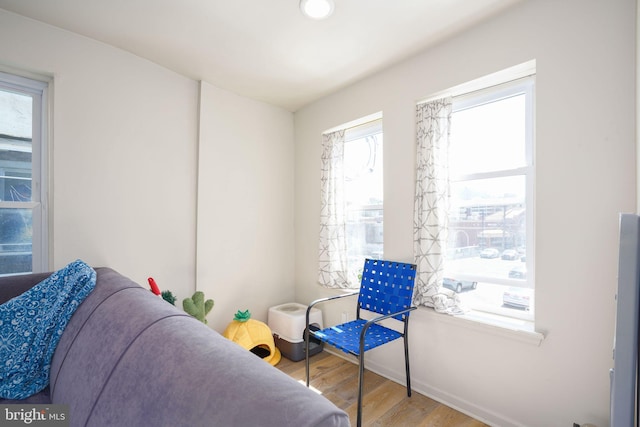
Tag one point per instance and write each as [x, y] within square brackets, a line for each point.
[488, 137]
[363, 196]
[15, 147]
[489, 250]
[487, 227]
[15, 186]
[16, 167]
[487, 246]
[16, 118]
[15, 240]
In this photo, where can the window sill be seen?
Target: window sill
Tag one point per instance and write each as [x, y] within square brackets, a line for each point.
[514, 329]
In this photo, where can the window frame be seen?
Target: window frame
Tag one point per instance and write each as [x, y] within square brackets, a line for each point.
[493, 93]
[38, 90]
[356, 132]
[335, 270]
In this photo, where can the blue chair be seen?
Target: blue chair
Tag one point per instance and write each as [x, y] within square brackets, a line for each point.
[386, 290]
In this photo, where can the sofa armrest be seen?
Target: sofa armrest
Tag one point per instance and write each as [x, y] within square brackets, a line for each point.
[12, 286]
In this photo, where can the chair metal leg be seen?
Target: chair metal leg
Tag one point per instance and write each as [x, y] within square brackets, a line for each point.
[306, 344]
[406, 363]
[360, 389]
[405, 337]
[363, 334]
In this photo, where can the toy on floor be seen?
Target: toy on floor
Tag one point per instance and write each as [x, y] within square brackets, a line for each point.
[197, 306]
[254, 336]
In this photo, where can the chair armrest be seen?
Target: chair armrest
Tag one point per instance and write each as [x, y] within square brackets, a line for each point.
[348, 294]
[378, 319]
[318, 301]
[387, 316]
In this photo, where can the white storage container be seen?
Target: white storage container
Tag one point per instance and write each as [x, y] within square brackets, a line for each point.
[287, 323]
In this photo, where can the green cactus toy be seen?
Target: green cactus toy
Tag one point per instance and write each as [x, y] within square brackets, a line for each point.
[197, 306]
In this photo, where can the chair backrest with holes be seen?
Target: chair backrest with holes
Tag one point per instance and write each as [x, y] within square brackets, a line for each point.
[387, 287]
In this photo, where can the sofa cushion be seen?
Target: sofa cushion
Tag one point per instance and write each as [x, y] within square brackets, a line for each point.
[108, 283]
[199, 378]
[98, 337]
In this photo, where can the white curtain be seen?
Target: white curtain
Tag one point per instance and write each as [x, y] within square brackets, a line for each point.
[430, 225]
[333, 271]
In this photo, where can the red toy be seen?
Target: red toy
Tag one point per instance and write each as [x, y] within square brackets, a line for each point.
[154, 287]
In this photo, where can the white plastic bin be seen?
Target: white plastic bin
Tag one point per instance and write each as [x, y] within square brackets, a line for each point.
[287, 323]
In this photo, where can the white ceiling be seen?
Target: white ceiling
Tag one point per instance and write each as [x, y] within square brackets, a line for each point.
[265, 49]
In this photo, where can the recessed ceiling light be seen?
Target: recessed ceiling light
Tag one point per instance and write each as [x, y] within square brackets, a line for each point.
[317, 9]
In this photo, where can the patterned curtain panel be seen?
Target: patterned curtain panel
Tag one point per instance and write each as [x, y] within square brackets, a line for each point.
[431, 207]
[333, 271]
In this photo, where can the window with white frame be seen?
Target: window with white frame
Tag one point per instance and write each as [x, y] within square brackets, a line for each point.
[23, 218]
[351, 211]
[489, 259]
[363, 193]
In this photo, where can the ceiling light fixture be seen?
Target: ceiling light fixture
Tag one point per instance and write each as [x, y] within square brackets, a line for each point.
[317, 9]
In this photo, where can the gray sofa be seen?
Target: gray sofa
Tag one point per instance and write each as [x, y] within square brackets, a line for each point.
[128, 358]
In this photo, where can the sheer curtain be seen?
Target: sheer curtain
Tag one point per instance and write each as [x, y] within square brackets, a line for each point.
[430, 225]
[333, 271]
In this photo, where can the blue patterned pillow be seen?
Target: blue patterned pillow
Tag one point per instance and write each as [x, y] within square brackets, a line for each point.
[31, 325]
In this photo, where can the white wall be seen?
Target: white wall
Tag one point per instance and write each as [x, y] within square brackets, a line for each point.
[245, 205]
[123, 154]
[585, 159]
[125, 171]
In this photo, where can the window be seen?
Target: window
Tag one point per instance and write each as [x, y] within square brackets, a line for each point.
[363, 193]
[489, 259]
[351, 215]
[23, 219]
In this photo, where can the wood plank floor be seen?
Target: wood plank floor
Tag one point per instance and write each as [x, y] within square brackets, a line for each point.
[385, 402]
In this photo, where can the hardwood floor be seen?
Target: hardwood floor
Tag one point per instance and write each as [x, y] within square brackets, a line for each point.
[385, 402]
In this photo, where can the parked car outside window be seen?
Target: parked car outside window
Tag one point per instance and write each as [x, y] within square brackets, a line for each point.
[518, 272]
[517, 298]
[510, 254]
[458, 285]
[489, 253]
